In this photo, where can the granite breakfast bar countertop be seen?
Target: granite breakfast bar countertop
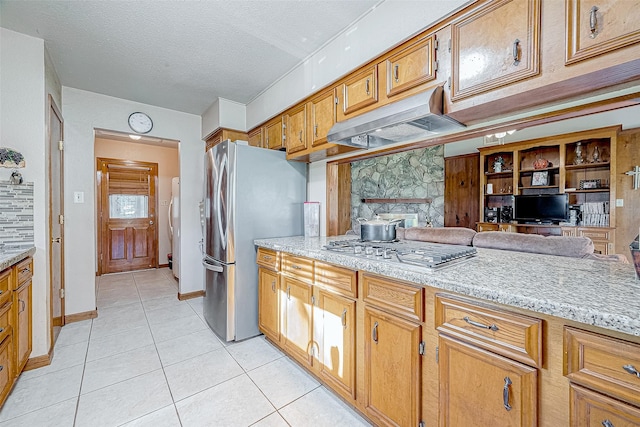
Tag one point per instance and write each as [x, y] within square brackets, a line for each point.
[593, 292]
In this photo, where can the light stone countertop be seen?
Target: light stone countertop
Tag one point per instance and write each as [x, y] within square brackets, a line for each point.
[594, 292]
[13, 255]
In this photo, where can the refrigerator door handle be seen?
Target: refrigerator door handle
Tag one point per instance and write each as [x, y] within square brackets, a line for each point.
[218, 200]
[212, 267]
[170, 214]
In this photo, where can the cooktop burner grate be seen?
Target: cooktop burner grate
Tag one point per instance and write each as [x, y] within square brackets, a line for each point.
[422, 254]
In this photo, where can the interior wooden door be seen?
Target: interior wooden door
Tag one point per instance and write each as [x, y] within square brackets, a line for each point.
[56, 217]
[127, 215]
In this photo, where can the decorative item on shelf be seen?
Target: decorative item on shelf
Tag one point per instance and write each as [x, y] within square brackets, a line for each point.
[541, 163]
[579, 159]
[491, 214]
[595, 158]
[498, 163]
[489, 188]
[540, 178]
[16, 177]
[506, 214]
[10, 158]
[590, 184]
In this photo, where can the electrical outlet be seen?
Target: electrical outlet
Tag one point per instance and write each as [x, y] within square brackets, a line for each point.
[164, 203]
[619, 203]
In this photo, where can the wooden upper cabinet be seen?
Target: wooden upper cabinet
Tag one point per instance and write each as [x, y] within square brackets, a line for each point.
[595, 27]
[359, 91]
[273, 134]
[494, 46]
[411, 66]
[322, 110]
[296, 129]
[255, 137]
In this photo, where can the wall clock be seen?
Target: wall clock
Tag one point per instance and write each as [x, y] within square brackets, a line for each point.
[140, 122]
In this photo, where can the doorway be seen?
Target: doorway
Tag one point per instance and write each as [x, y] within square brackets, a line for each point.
[126, 215]
[56, 219]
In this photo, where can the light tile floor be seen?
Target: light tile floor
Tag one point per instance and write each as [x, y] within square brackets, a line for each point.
[150, 360]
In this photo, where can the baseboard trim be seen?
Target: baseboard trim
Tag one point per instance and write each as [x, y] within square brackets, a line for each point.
[39, 361]
[190, 295]
[79, 317]
[57, 321]
[163, 265]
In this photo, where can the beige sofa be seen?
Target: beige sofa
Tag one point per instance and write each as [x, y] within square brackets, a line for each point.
[576, 247]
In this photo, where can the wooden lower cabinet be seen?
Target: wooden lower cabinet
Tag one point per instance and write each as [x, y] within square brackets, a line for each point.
[335, 334]
[297, 318]
[480, 388]
[268, 303]
[591, 409]
[392, 369]
[6, 368]
[22, 328]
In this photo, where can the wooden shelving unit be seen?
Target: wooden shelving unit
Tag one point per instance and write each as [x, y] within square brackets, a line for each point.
[563, 175]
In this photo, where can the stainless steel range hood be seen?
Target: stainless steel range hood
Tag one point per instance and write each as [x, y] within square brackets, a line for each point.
[411, 119]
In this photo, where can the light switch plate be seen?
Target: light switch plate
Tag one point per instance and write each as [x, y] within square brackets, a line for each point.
[619, 203]
[78, 197]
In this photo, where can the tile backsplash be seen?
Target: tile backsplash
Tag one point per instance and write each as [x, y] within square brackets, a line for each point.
[16, 214]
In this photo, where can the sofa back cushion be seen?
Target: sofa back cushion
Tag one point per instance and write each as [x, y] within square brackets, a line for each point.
[577, 247]
[447, 235]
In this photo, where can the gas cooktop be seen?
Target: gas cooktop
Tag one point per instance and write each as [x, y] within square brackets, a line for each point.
[422, 254]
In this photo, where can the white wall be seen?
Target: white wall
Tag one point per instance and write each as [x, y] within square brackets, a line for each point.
[224, 114]
[83, 111]
[387, 25]
[22, 127]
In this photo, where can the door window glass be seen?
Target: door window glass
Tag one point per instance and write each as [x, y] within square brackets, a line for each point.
[128, 206]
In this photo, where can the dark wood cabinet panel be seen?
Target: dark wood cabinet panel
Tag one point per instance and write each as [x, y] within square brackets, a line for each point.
[461, 191]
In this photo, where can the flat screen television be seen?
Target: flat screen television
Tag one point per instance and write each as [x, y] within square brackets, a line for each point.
[541, 208]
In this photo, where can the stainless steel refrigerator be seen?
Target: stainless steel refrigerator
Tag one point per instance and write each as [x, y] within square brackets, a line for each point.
[250, 193]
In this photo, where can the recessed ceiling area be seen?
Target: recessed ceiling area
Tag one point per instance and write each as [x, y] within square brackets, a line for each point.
[180, 55]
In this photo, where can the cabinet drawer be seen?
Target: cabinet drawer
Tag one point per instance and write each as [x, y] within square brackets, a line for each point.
[339, 279]
[589, 408]
[605, 364]
[5, 320]
[393, 297]
[594, 234]
[267, 258]
[5, 285]
[512, 335]
[298, 267]
[24, 270]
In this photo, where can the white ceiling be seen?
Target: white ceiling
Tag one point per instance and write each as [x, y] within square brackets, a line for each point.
[180, 55]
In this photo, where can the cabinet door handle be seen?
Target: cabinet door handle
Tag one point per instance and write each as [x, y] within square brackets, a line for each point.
[593, 22]
[632, 370]
[289, 293]
[607, 423]
[300, 136]
[493, 327]
[266, 257]
[297, 267]
[315, 130]
[273, 285]
[344, 318]
[505, 393]
[374, 333]
[1, 330]
[395, 72]
[1, 367]
[366, 87]
[23, 306]
[516, 52]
